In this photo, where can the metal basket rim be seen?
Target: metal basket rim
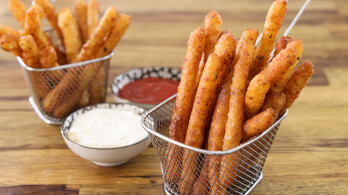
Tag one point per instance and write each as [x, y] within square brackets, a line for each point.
[65, 66]
[203, 151]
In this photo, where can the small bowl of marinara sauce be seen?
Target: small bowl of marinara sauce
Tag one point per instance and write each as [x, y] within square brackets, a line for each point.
[146, 87]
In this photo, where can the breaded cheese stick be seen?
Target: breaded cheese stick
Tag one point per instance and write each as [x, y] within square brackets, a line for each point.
[233, 132]
[70, 30]
[199, 119]
[272, 25]
[184, 101]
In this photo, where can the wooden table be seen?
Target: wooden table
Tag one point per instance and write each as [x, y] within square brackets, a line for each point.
[310, 152]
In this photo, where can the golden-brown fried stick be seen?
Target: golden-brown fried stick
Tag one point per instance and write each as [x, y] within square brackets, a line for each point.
[282, 43]
[184, 101]
[225, 48]
[255, 95]
[280, 64]
[272, 25]
[9, 30]
[199, 119]
[71, 86]
[258, 123]
[261, 83]
[233, 132]
[30, 51]
[274, 100]
[104, 27]
[212, 24]
[9, 43]
[70, 30]
[51, 16]
[298, 81]
[279, 86]
[81, 16]
[18, 10]
[119, 28]
[93, 16]
[97, 88]
[33, 17]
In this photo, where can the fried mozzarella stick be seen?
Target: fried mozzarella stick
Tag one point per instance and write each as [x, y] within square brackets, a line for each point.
[184, 101]
[212, 25]
[272, 25]
[33, 17]
[298, 81]
[70, 85]
[93, 16]
[261, 83]
[30, 51]
[9, 30]
[18, 10]
[9, 43]
[282, 43]
[81, 16]
[70, 30]
[225, 48]
[258, 123]
[276, 101]
[97, 89]
[233, 131]
[199, 119]
[51, 16]
[279, 86]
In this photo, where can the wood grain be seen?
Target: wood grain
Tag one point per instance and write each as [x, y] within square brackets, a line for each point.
[309, 154]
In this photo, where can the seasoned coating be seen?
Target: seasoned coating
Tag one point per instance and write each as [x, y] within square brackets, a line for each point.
[255, 95]
[184, 100]
[233, 131]
[33, 17]
[70, 30]
[276, 101]
[70, 86]
[279, 86]
[51, 15]
[282, 43]
[81, 16]
[298, 81]
[212, 24]
[9, 43]
[18, 10]
[93, 16]
[9, 30]
[272, 25]
[30, 51]
[280, 64]
[258, 123]
[199, 119]
[96, 89]
[117, 31]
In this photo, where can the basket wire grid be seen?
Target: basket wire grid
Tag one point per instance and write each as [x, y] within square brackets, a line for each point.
[87, 86]
[242, 166]
[244, 170]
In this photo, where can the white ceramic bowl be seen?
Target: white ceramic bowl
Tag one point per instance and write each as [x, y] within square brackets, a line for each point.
[141, 73]
[105, 156]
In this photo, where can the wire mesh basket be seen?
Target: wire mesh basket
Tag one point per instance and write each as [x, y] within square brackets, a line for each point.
[87, 86]
[235, 171]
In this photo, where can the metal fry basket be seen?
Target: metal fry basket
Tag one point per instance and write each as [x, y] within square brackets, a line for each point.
[243, 164]
[41, 81]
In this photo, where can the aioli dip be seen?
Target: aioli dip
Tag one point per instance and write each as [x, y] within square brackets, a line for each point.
[149, 90]
[107, 128]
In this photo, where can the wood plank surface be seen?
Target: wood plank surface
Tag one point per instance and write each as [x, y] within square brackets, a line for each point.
[308, 156]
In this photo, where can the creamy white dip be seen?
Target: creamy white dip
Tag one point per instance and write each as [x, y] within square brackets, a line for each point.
[107, 128]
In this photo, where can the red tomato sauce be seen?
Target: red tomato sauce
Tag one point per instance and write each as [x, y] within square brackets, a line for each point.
[149, 90]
